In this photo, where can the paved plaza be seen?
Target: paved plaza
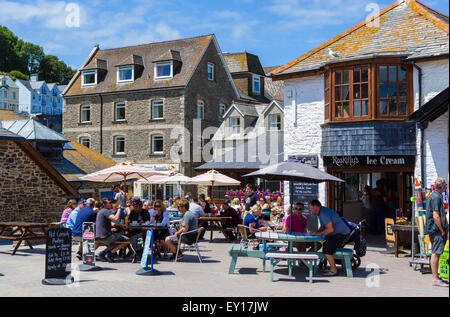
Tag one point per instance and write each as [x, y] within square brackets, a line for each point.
[21, 275]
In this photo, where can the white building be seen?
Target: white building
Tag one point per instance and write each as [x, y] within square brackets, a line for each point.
[38, 97]
[9, 93]
[347, 101]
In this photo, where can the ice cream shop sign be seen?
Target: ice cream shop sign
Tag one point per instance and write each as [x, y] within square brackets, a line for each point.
[368, 160]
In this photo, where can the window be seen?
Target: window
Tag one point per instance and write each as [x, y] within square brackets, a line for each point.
[234, 125]
[157, 109]
[373, 91]
[163, 70]
[14, 95]
[200, 110]
[256, 85]
[274, 122]
[125, 74]
[89, 78]
[119, 111]
[392, 90]
[119, 144]
[5, 93]
[85, 113]
[222, 110]
[210, 71]
[157, 144]
[85, 141]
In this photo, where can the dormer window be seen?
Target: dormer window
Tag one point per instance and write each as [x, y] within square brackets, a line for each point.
[89, 78]
[256, 85]
[274, 123]
[125, 74]
[163, 70]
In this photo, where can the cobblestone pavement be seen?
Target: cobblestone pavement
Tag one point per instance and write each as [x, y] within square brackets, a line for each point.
[21, 275]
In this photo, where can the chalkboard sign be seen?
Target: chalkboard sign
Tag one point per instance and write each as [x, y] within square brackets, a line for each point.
[58, 253]
[89, 243]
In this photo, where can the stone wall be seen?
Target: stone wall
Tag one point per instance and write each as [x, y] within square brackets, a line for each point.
[27, 192]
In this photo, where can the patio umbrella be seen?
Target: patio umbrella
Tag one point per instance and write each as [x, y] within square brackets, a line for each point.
[176, 179]
[293, 171]
[121, 172]
[213, 178]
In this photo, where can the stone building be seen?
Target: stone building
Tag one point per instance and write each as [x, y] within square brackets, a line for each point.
[31, 189]
[139, 103]
[347, 100]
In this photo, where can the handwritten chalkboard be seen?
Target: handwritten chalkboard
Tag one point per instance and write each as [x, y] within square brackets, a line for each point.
[58, 253]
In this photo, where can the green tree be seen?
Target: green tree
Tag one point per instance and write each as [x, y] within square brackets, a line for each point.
[51, 70]
[15, 74]
[32, 54]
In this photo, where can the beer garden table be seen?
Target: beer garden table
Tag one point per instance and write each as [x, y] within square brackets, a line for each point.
[24, 231]
[215, 223]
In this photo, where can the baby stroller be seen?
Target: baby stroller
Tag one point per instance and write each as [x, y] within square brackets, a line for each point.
[359, 241]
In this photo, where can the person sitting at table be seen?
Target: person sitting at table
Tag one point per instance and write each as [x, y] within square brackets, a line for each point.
[161, 217]
[334, 230]
[103, 233]
[70, 206]
[229, 211]
[204, 210]
[138, 215]
[299, 224]
[253, 222]
[235, 203]
[87, 214]
[73, 215]
[190, 223]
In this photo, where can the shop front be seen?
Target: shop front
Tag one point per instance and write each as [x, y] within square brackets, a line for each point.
[364, 153]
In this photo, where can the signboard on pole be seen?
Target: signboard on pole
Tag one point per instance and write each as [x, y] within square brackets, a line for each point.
[58, 257]
[144, 261]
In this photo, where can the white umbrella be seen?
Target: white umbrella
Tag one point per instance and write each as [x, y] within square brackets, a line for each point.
[213, 178]
[176, 179]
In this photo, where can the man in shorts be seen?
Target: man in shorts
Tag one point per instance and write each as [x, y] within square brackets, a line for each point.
[190, 223]
[436, 228]
[334, 230]
[103, 232]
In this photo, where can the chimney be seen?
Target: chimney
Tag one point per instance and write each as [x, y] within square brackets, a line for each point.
[34, 77]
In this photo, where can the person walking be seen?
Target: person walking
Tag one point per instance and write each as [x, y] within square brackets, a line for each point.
[436, 227]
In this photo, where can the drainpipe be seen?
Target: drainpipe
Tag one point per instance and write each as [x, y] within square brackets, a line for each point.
[101, 124]
[422, 128]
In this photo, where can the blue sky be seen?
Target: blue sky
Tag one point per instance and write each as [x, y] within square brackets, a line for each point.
[277, 31]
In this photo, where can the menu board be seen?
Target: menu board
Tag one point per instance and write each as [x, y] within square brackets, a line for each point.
[390, 236]
[58, 253]
[89, 243]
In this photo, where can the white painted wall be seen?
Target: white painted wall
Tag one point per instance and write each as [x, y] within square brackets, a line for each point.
[435, 78]
[303, 115]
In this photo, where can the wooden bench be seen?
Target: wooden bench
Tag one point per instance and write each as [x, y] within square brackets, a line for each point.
[307, 258]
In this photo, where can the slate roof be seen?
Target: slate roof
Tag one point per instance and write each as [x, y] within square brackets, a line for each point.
[373, 138]
[6, 114]
[245, 156]
[243, 62]
[190, 52]
[32, 130]
[274, 90]
[407, 28]
[433, 109]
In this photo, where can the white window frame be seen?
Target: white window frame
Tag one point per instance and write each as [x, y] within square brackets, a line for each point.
[116, 152]
[86, 108]
[85, 138]
[88, 72]
[123, 68]
[153, 143]
[116, 107]
[200, 110]
[256, 79]
[210, 71]
[14, 95]
[163, 64]
[157, 103]
[222, 111]
[270, 124]
[234, 123]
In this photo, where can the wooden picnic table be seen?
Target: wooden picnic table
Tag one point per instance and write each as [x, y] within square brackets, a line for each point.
[290, 238]
[402, 228]
[23, 231]
[214, 223]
